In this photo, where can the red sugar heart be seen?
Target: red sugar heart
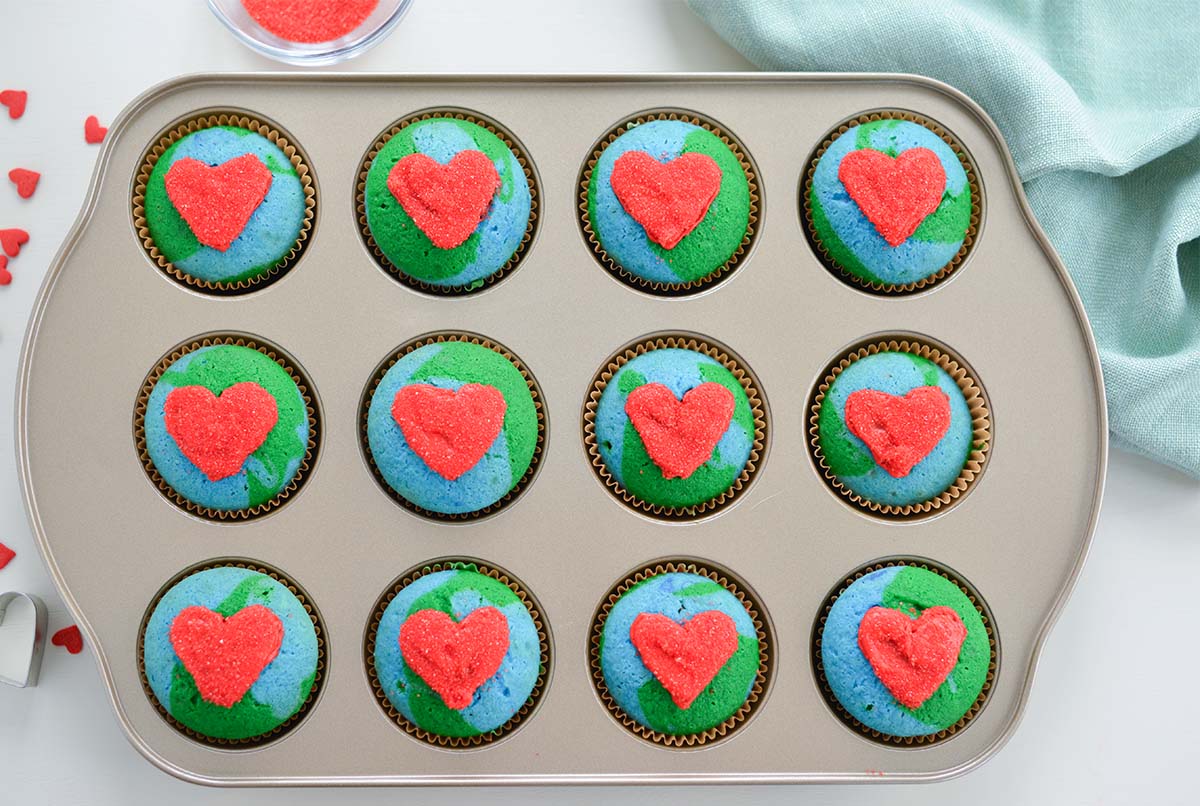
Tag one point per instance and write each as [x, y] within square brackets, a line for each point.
[93, 132]
[69, 638]
[12, 239]
[684, 657]
[217, 433]
[15, 101]
[680, 435]
[310, 20]
[912, 657]
[895, 194]
[226, 655]
[6, 555]
[25, 180]
[450, 430]
[217, 201]
[667, 198]
[455, 658]
[5, 274]
[899, 431]
[446, 202]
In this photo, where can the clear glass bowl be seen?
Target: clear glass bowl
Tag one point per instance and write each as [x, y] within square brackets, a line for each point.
[372, 30]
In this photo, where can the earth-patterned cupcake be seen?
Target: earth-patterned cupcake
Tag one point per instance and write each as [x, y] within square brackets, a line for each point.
[895, 429]
[231, 654]
[905, 652]
[679, 655]
[448, 203]
[224, 207]
[458, 655]
[226, 430]
[890, 204]
[669, 204]
[673, 428]
[453, 427]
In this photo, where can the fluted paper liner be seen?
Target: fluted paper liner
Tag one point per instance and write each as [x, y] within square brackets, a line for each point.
[872, 733]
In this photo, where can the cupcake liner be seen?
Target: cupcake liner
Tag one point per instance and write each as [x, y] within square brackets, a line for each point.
[535, 612]
[872, 733]
[892, 289]
[977, 404]
[279, 357]
[534, 390]
[190, 125]
[766, 658]
[360, 204]
[707, 347]
[318, 679]
[655, 286]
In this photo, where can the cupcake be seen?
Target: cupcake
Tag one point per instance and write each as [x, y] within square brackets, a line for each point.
[896, 433]
[892, 205]
[905, 653]
[225, 207]
[231, 654]
[669, 203]
[447, 202]
[674, 430]
[226, 429]
[458, 655]
[453, 426]
[678, 657]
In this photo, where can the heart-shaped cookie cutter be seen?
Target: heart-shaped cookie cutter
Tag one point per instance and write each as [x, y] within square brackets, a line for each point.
[20, 642]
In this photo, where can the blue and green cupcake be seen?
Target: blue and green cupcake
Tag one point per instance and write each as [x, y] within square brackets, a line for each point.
[669, 203]
[226, 206]
[231, 654]
[457, 654]
[905, 653]
[679, 655]
[225, 428]
[448, 203]
[453, 426]
[892, 203]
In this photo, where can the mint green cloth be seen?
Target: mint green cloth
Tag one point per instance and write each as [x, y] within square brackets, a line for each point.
[1099, 101]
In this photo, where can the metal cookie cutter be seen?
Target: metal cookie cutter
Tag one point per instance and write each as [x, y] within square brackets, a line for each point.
[21, 645]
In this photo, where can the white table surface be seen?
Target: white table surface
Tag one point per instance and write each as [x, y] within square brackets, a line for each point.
[1113, 714]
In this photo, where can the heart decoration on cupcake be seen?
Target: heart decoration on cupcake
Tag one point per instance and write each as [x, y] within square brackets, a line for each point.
[680, 435]
[455, 658]
[667, 198]
[895, 193]
[911, 657]
[217, 434]
[685, 657]
[899, 431]
[225, 656]
[217, 201]
[450, 429]
[446, 202]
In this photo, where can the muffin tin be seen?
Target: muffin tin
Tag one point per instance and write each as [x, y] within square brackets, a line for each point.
[107, 313]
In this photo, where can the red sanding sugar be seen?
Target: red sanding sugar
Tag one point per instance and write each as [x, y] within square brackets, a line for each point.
[217, 433]
[899, 431]
[446, 202]
[895, 194]
[667, 199]
[455, 658]
[912, 657]
[6, 555]
[225, 656]
[680, 435]
[450, 429]
[684, 657]
[217, 201]
[310, 21]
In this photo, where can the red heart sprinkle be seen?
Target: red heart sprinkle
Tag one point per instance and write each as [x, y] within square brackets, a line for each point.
[218, 433]
[446, 202]
[667, 198]
[310, 21]
[226, 655]
[69, 638]
[217, 201]
[912, 657]
[450, 430]
[684, 657]
[5, 274]
[899, 431]
[15, 101]
[93, 132]
[680, 435]
[455, 659]
[12, 239]
[6, 555]
[25, 180]
[895, 194]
